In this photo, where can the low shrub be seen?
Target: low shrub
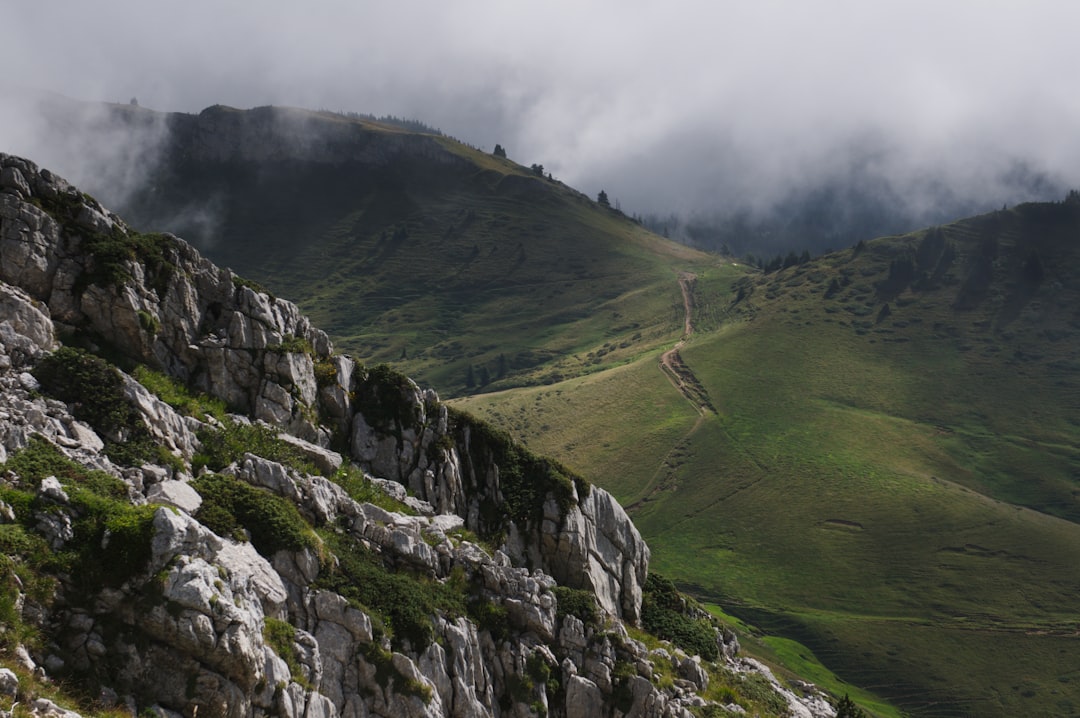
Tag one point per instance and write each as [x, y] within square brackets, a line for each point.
[325, 373]
[577, 602]
[489, 616]
[41, 458]
[114, 250]
[112, 538]
[221, 447]
[231, 507]
[115, 537]
[665, 614]
[91, 385]
[523, 688]
[18, 582]
[382, 398]
[404, 603]
[94, 389]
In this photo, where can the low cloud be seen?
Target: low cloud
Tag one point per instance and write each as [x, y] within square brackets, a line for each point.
[107, 150]
[693, 107]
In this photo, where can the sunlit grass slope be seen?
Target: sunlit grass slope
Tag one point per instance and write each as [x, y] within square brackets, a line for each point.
[624, 425]
[892, 475]
[616, 425]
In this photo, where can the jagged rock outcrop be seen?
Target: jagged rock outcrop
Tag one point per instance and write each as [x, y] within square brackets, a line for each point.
[206, 327]
[161, 607]
[191, 318]
[585, 539]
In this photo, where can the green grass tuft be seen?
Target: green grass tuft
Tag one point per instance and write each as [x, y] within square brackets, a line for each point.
[221, 447]
[356, 485]
[404, 603]
[281, 636]
[178, 396]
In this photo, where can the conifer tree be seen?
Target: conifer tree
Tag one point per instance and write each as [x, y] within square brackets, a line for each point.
[846, 708]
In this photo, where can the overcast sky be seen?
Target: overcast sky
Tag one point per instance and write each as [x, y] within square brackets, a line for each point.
[672, 105]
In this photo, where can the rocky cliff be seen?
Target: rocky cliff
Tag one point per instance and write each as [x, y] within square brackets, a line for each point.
[207, 511]
[281, 134]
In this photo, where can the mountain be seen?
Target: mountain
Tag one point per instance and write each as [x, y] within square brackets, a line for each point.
[467, 270]
[852, 199]
[870, 453]
[204, 512]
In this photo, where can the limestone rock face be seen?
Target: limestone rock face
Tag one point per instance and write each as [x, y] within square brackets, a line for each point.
[597, 547]
[175, 493]
[592, 544]
[193, 320]
[199, 620]
[20, 316]
[28, 237]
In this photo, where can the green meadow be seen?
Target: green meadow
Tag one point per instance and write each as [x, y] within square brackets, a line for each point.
[897, 494]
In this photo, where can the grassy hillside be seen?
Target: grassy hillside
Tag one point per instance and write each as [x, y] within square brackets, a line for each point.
[468, 271]
[895, 488]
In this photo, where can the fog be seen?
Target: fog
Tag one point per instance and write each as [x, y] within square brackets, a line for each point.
[699, 108]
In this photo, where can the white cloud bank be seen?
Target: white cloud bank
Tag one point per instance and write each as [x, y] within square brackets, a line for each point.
[686, 106]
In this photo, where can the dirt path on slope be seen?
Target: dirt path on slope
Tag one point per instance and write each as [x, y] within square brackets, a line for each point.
[683, 379]
[671, 362]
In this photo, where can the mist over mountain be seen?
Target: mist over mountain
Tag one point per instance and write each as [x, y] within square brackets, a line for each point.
[859, 194]
[879, 118]
[837, 210]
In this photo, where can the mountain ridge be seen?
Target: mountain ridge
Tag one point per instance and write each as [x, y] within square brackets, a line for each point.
[345, 208]
[178, 616]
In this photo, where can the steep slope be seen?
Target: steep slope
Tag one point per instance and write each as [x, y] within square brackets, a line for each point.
[271, 584]
[467, 270]
[892, 475]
